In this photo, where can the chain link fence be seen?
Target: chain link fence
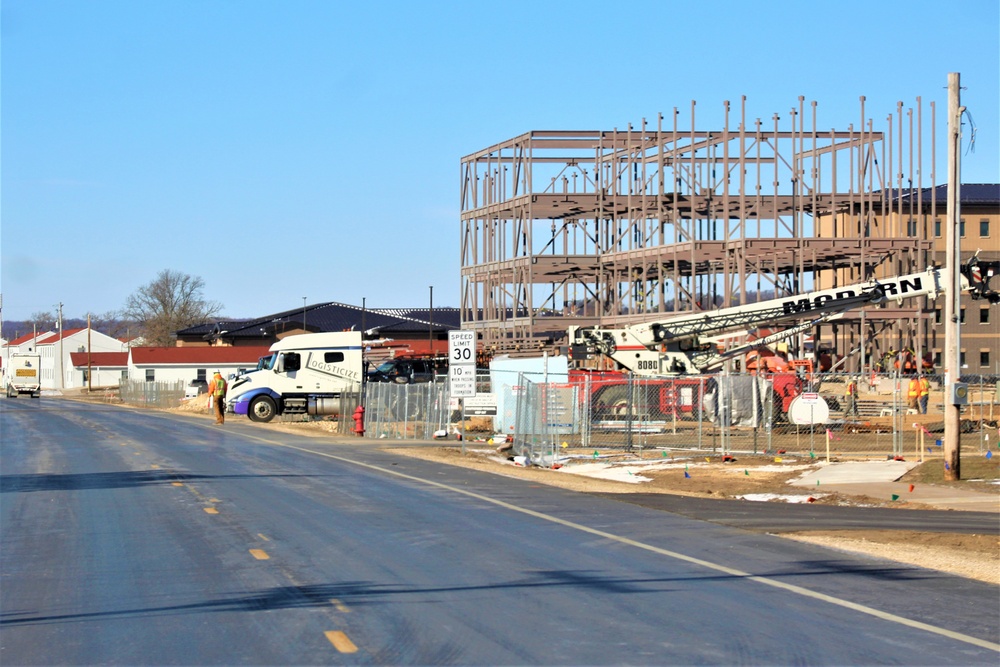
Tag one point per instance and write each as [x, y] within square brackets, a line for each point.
[152, 394]
[809, 415]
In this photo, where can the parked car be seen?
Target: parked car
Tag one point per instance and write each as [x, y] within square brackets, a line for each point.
[195, 388]
[408, 371]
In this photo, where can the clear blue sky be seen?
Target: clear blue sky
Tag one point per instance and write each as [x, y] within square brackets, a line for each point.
[305, 148]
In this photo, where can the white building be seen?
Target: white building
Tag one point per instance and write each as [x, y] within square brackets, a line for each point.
[22, 345]
[58, 371]
[170, 364]
[99, 369]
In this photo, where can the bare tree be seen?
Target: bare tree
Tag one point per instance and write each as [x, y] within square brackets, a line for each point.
[42, 321]
[111, 323]
[172, 301]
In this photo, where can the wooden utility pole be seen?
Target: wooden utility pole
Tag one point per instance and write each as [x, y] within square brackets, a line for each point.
[90, 370]
[953, 286]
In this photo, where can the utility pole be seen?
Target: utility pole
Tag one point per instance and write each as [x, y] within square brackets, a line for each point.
[430, 325]
[62, 378]
[304, 330]
[953, 286]
[90, 370]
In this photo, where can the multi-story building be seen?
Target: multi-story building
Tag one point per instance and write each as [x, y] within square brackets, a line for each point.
[914, 339]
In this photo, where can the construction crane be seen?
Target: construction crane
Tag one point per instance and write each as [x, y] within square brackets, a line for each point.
[685, 344]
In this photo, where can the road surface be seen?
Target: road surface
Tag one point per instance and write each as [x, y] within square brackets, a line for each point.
[134, 537]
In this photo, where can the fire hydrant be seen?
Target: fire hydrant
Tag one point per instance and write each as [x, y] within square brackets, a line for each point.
[359, 420]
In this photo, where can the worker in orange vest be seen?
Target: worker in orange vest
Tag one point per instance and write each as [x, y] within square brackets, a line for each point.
[925, 392]
[217, 395]
[851, 396]
[913, 394]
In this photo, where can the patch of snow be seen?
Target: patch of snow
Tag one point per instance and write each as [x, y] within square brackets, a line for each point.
[768, 497]
[598, 471]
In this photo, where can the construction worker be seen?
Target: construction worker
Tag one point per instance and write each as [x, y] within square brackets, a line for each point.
[217, 393]
[925, 392]
[851, 396]
[913, 394]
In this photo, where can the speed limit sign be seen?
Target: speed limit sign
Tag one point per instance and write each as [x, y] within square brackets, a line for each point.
[462, 363]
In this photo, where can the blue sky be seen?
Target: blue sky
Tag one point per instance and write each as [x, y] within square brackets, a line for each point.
[302, 148]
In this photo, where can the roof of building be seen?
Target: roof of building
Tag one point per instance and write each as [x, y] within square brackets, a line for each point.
[56, 337]
[330, 316]
[104, 359]
[145, 356]
[20, 340]
[971, 194]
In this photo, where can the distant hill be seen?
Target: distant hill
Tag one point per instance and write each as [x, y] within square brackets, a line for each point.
[115, 328]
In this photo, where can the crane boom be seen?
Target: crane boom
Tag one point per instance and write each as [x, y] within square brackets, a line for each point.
[673, 345]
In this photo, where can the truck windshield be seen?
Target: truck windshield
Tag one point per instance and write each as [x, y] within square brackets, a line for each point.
[266, 363]
[386, 367]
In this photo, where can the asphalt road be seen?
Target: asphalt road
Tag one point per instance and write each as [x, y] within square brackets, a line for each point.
[130, 537]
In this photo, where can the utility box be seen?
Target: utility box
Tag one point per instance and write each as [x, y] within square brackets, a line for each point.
[959, 393]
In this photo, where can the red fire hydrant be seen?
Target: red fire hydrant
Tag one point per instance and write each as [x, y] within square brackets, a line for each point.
[359, 420]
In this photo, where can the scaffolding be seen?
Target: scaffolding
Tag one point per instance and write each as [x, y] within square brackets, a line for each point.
[563, 228]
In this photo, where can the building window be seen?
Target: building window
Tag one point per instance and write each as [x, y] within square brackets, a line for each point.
[937, 227]
[961, 315]
[202, 375]
[937, 358]
[984, 314]
[150, 375]
[984, 358]
[911, 227]
[961, 359]
[124, 375]
[984, 229]
[937, 316]
[961, 228]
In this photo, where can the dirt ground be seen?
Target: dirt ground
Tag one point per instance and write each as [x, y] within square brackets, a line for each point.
[972, 556]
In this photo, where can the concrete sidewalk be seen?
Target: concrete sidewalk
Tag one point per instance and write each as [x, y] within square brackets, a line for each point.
[877, 479]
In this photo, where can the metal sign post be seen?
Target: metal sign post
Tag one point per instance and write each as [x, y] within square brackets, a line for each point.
[462, 369]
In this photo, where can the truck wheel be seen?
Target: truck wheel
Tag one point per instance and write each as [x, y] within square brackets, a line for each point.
[11, 394]
[401, 379]
[37, 394]
[262, 409]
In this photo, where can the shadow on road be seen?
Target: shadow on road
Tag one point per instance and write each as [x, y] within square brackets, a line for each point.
[108, 480]
[361, 593]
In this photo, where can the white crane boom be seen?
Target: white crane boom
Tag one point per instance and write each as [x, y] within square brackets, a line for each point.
[673, 345]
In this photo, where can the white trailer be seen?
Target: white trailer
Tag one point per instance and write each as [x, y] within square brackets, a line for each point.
[23, 375]
[305, 374]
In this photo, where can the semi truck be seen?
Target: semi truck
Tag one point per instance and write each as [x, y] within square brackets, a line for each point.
[23, 375]
[304, 374]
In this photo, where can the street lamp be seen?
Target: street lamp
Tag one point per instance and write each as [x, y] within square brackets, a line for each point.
[303, 314]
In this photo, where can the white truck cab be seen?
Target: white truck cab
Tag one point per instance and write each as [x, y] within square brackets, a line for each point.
[305, 374]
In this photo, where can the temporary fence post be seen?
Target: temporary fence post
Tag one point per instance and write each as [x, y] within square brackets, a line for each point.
[701, 408]
[675, 402]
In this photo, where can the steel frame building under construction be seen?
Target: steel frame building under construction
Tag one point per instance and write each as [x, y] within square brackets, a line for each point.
[564, 228]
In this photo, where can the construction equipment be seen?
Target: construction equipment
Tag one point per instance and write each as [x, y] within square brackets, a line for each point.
[685, 344]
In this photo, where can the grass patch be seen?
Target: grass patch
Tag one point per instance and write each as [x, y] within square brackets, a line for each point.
[973, 467]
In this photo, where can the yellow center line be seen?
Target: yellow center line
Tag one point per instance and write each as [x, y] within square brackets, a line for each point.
[766, 581]
[176, 483]
[263, 537]
[259, 554]
[155, 467]
[340, 641]
[211, 510]
[214, 500]
[340, 606]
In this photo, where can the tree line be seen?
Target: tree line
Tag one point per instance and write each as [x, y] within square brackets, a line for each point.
[155, 312]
